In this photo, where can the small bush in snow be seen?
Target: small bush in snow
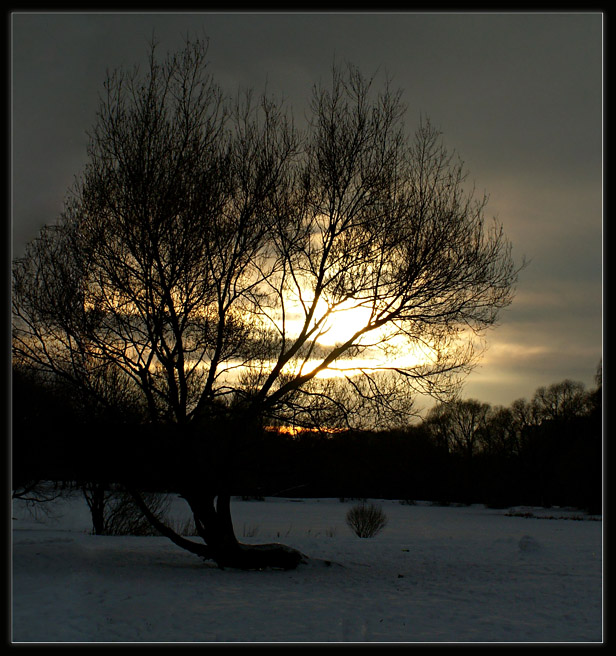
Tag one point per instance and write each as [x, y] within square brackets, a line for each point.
[114, 511]
[366, 520]
[123, 517]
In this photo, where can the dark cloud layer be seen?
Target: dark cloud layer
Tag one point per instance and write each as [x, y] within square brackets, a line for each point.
[518, 95]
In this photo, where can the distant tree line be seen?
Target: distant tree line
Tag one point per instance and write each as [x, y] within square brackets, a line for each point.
[546, 451]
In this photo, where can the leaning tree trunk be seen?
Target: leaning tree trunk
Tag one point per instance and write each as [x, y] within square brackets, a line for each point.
[200, 470]
[213, 522]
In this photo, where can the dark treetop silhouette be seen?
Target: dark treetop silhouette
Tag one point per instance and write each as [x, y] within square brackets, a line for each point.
[208, 246]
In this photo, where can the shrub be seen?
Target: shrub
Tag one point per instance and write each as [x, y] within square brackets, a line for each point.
[366, 520]
[115, 513]
[125, 518]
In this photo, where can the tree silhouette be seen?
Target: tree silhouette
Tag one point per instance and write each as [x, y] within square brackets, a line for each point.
[561, 401]
[462, 427]
[209, 247]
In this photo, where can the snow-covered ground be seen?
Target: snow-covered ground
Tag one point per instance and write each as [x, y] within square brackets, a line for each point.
[435, 574]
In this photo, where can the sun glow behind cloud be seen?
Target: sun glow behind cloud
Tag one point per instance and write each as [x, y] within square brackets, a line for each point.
[337, 326]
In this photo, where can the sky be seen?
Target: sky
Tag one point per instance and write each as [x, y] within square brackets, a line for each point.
[519, 96]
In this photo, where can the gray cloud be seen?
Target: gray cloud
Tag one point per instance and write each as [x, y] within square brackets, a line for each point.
[519, 96]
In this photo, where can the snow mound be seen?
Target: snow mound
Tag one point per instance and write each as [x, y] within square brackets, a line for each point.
[528, 544]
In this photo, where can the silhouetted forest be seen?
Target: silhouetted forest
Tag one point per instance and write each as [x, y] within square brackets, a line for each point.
[546, 451]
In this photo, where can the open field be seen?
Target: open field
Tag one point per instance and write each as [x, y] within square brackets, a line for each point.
[434, 574]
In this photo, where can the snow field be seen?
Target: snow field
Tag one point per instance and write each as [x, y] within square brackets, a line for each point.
[435, 574]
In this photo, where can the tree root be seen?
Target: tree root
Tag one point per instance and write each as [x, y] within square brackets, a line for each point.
[261, 556]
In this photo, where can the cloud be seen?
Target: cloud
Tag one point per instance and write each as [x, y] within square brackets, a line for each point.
[519, 96]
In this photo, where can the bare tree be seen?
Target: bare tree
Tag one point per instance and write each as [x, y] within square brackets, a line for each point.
[460, 424]
[211, 254]
[500, 437]
[561, 401]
